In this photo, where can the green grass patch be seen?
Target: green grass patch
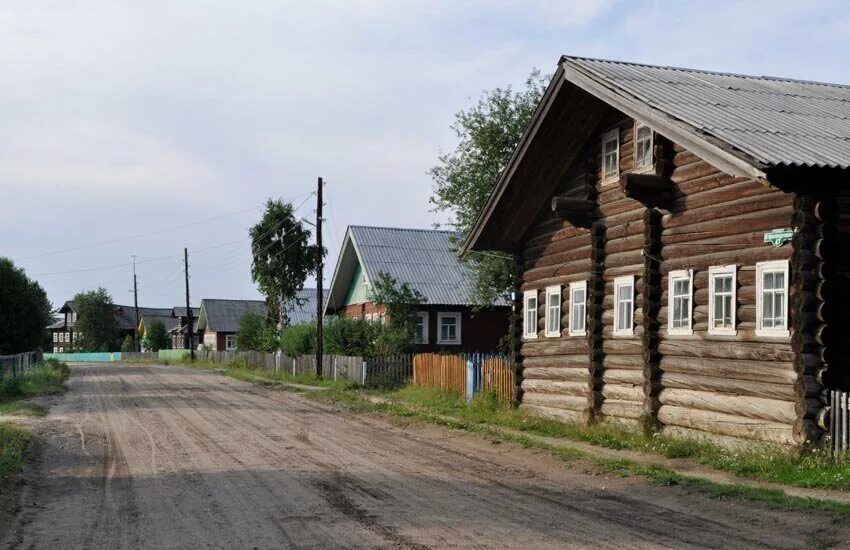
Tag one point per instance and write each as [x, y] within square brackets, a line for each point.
[43, 379]
[811, 469]
[240, 370]
[13, 442]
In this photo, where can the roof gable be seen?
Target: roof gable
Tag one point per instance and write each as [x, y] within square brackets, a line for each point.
[745, 126]
[223, 315]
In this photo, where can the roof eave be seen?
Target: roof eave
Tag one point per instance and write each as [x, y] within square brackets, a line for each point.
[469, 243]
[713, 150]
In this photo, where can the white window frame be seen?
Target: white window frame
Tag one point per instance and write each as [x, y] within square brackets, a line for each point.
[574, 287]
[625, 280]
[607, 137]
[444, 315]
[672, 277]
[723, 271]
[55, 337]
[227, 339]
[423, 315]
[778, 266]
[529, 332]
[644, 167]
[553, 332]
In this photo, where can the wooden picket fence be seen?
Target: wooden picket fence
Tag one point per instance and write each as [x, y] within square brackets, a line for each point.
[839, 428]
[14, 366]
[491, 373]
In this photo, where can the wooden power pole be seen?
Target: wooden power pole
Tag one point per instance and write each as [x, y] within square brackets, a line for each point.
[190, 333]
[319, 268]
[136, 307]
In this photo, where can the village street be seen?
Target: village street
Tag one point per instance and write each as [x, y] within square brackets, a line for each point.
[137, 456]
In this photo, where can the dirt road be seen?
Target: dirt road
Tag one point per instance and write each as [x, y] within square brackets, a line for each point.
[168, 457]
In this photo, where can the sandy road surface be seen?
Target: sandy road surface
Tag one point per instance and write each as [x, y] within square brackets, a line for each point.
[167, 457]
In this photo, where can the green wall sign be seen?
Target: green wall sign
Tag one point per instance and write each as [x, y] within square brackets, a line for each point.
[778, 237]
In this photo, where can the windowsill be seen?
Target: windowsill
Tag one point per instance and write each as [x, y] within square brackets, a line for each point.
[610, 180]
[773, 333]
[445, 343]
[528, 337]
[583, 333]
[644, 170]
[722, 332]
[624, 334]
[680, 332]
[553, 335]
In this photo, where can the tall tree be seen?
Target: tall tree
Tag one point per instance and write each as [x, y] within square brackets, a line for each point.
[401, 301]
[283, 257]
[97, 321]
[254, 333]
[157, 336]
[488, 132]
[24, 311]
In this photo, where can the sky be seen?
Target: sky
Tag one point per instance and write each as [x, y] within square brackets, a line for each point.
[140, 128]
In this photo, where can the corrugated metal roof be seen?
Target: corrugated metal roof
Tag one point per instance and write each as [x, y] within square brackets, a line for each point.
[776, 121]
[303, 308]
[423, 258]
[219, 315]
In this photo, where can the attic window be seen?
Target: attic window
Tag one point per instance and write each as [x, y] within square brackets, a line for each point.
[643, 147]
[611, 155]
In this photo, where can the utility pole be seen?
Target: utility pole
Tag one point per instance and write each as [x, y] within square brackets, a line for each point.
[190, 333]
[136, 306]
[319, 268]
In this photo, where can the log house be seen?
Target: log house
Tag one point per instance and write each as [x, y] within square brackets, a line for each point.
[679, 240]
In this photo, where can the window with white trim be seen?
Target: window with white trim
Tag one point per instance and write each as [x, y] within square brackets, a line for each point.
[529, 308]
[611, 155]
[55, 337]
[722, 299]
[230, 342]
[578, 308]
[772, 298]
[680, 302]
[624, 305]
[420, 331]
[643, 147]
[448, 328]
[553, 311]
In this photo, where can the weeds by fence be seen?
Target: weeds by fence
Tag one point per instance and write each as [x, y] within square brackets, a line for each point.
[839, 411]
[465, 374]
[14, 366]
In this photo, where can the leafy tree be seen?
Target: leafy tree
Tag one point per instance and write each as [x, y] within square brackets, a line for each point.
[488, 132]
[349, 336]
[24, 311]
[128, 344]
[96, 320]
[283, 258]
[299, 340]
[157, 336]
[401, 301]
[255, 334]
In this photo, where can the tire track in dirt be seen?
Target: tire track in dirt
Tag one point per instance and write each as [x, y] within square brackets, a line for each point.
[185, 458]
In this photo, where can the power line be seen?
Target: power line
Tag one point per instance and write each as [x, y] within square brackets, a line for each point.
[137, 236]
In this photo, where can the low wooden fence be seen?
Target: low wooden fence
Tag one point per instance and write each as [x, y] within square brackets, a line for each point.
[466, 374]
[839, 425]
[13, 366]
[391, 371]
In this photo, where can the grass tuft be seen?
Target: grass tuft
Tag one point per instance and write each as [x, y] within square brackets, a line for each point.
[13, 442]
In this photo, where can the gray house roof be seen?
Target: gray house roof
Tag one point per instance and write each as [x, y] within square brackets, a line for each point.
[126, 315]
[303, 308]
[223, 315]
[748, 126]
[423, 258]
[776, 121]
[168, 321]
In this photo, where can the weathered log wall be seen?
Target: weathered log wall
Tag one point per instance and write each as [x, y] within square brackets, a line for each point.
[742, 385]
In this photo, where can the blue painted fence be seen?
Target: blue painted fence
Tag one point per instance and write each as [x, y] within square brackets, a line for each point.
[85, 357]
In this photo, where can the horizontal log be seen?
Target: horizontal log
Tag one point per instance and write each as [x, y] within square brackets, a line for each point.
[555, 373]
[619, 392]
[559, 415]
[734, 444]
[777, 372]
[727, 424]
[730, 386]
[749, 256]
[623, 346]
[622, 409]
[568, 402]
[728, 350]
[554, 346]
[631, 361]
[751, 407]
[745, 205]
[554, 387]
[576, 360]
[632, 377]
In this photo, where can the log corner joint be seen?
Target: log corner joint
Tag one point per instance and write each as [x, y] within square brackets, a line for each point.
[650, 189]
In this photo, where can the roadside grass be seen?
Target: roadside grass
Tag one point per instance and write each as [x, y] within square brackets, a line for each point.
[240, 370]
[13, 442]
[445, 411]
[45, 379]
[814, 468]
